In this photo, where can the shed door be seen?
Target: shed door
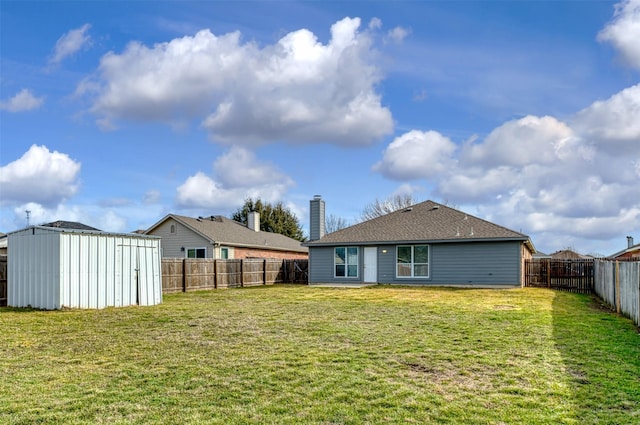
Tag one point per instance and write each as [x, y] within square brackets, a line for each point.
[371, 264]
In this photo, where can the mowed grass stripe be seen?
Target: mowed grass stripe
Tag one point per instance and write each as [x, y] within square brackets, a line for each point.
[295, 354]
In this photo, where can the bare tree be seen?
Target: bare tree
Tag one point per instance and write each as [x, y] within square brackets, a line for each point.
[334, 223]
[391, 204]
[449, 204]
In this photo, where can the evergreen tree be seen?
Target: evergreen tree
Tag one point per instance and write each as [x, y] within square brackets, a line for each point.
[275, 218]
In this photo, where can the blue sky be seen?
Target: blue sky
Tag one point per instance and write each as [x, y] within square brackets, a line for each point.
[525, 113]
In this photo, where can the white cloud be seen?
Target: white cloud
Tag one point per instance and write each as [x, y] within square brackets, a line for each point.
[297, 90]
[614, 124]
[397, 35]
[539, 175]
[239, 168]
[519, 142]
[624, 31]
[70, 43]
[237, 175]
[416, 154]
[40, 176]
[22, 101]
[151, 197]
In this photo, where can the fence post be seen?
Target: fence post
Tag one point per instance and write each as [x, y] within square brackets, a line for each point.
[638, 310]
[184, 275]
[548, 273]
[264, 271]
[617, 273]
[241, 273]
[215, 274]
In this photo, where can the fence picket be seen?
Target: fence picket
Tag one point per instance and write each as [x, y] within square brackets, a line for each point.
[618, 284]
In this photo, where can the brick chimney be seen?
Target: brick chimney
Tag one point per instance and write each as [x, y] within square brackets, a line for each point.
[316, 218]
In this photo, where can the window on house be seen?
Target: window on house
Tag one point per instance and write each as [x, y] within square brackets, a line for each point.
[224, 253]
[412, 261]
[346, 261]
[173, 228]
[197, 253]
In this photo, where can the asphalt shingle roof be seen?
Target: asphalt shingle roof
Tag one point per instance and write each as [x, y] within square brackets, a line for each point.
[426, 221]
[74, 225]
[230, 232]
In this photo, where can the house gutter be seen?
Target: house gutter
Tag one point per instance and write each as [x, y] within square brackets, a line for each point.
[527, 241]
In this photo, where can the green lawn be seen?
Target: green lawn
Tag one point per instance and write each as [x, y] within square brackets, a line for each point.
[304, 355]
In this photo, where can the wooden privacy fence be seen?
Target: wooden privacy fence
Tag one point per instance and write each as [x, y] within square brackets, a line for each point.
[3, 280]
[618, 284]
[565, 275]
[191, 274]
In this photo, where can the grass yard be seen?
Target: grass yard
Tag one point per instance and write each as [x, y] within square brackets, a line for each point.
[303, 355]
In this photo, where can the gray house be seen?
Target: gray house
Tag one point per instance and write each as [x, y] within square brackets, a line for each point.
[222, 238]
[425, 244]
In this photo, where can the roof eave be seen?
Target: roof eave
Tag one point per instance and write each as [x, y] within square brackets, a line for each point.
[524, 239]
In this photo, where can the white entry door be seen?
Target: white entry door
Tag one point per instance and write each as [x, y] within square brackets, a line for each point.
[371, 264]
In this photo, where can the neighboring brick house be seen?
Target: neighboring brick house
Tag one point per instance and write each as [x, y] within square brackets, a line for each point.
[222, 238]
[632, 252]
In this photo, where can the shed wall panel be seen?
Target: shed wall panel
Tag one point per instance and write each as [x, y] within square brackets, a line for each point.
[151, 267]
[33, 270]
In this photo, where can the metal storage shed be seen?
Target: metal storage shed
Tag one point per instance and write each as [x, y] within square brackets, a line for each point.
[52, 268]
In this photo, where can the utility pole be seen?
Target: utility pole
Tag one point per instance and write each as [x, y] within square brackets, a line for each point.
[28, 216]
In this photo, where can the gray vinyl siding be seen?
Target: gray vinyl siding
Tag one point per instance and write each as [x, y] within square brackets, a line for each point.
[488, 263]
[321, 267]
[468, 263]
[183, 237]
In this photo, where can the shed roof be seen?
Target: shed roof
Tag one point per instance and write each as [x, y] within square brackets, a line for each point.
[84, 231]
[222, 230]
[425, 222]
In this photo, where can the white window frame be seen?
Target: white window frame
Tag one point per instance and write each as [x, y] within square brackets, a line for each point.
[224, 249]
[196, 249]
[412, 264]
[346, 262]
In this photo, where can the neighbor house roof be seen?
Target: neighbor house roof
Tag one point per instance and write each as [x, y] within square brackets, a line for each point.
[222, 230]
[426, 222]
[632, 251]
[61, 224]
[568, 254]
